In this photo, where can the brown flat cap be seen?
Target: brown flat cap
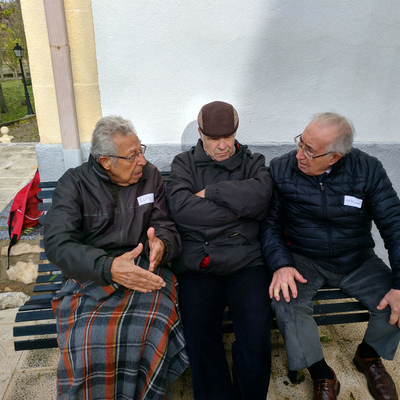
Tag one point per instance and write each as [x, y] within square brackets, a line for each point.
[218, 119]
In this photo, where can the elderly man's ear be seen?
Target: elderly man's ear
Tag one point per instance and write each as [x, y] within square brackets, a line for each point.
[335, 158]
[105, 162]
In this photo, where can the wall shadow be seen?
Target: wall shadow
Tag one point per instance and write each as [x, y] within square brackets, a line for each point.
[190, 135]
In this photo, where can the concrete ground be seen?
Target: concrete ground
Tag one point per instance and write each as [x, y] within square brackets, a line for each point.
[32, 374]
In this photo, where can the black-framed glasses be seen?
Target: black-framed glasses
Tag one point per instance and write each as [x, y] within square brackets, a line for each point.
[133, 157]
[307, 152]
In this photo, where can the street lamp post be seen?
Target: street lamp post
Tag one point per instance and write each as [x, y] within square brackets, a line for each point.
[19, 53]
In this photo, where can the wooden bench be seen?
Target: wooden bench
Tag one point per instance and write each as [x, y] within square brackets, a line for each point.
[332, 305]
[37, 310]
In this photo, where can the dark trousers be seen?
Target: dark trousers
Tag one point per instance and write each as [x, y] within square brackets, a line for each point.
[203, 298]
[368, 283]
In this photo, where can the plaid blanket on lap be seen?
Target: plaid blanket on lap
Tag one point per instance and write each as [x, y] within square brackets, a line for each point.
[117, 343]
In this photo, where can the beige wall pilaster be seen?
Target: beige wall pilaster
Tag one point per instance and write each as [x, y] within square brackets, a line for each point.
[84, 68]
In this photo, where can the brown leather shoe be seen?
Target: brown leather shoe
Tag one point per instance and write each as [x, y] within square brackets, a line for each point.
[380, 383]
[326, 389]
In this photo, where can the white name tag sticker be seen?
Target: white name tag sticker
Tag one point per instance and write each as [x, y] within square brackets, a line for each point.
[146, 199]
[352, 201]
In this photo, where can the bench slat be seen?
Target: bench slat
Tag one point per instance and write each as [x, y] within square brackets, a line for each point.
[335, 308]
[35, 306]
[34, 315]
[40, 297]
[50, 278]
[48, 184]
[47, 268]
[227, 328]
[47, 288]
[330, 294]
[341, 318]
[45, 194]
[34, 330]
[35, 344]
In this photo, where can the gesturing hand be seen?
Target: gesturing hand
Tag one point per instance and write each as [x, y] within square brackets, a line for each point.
[157, 249]
[125, 272]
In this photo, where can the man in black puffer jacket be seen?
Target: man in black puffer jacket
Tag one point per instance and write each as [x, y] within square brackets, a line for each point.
[318, 232]
[218, 193]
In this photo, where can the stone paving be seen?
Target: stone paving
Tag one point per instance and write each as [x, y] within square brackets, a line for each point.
[17, 167]
[32, 374]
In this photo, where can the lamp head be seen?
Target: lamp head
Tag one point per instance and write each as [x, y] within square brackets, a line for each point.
[18, 51]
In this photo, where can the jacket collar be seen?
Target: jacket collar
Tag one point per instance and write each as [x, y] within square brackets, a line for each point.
[231, 163]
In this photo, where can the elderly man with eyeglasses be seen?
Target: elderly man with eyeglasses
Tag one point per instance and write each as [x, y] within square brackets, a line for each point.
[108, 230]
[319, 232]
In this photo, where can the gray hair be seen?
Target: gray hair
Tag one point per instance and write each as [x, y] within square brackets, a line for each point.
[345, 129]
[104, 131]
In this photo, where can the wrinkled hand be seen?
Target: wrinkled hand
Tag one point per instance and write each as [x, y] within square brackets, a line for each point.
[392, 299]
[125, 272]
[157, 248]
[284, 279]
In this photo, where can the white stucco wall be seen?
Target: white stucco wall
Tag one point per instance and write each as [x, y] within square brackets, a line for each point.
[277, 61]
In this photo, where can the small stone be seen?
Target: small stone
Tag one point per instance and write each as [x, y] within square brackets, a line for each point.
[23, 272]
[21, 248]
[12, 300]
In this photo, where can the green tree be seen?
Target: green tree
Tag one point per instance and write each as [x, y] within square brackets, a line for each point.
[11, 33]
[4, 13]
[3, 105]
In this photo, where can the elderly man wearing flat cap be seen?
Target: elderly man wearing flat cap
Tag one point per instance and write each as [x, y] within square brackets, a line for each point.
[218, 193]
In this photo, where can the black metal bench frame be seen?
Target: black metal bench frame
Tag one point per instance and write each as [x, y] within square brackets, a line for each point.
[332, 305]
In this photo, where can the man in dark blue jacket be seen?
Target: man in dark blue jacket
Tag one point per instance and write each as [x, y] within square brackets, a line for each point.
[218, 193]
[326, 195]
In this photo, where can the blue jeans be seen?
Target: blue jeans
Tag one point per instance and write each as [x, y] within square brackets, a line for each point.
[202, 300]
[368, 283]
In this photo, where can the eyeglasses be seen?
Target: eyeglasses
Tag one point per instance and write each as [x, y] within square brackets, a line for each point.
[307, 152]
[134, 156]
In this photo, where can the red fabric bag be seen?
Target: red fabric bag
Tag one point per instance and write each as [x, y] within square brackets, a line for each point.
[24, 212]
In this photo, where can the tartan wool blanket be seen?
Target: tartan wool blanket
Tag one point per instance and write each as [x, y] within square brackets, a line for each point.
[117, 343]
